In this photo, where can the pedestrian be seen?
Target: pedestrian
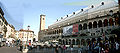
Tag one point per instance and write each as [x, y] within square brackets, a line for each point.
[89, 48]
[8, 44]
[61, 48]
[71, 48]
[79, 49]
[21, 47]
[56, 49]
[64, 48]
[116, 46]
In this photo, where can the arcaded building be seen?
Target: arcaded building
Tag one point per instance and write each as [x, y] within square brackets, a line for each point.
[94, 23]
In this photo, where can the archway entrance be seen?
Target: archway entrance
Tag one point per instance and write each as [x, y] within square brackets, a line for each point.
[34, 39]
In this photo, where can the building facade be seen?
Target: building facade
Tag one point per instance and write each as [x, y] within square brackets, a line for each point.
[25, 35]
[3, 23]
[10, 31]
[96, 22]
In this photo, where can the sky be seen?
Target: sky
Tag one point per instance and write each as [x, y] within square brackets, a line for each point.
[22, 13]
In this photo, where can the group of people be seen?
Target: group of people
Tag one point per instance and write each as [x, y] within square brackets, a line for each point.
[10, 43]
[103, 47]
[62, 48]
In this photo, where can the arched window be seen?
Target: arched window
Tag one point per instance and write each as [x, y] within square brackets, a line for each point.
[111, 22]
[69, 41]
[73, 41]
[63, 42]
[94, 24]
[80, 27]
[88, 41]
[90, 25]
[105, 22]
[77, 42]
[57, 31]
[60, 41]
[83, 42]
[66, 42]
[99, 23]
[84, 26]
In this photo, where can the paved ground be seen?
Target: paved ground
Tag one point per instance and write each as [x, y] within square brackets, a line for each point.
[9, 50]
[49, 50]
[43, 50]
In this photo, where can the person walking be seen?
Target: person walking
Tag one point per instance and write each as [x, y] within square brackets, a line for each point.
[56, 49]
[61, 48]
[64, 48]
[21, 47]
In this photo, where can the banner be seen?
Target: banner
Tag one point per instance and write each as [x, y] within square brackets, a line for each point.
[67, 30]
[75, 29]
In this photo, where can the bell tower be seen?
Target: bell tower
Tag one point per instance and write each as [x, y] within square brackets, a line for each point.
[42, 22]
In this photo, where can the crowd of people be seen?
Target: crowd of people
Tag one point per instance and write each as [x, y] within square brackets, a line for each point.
[104, 47]
[10, 43]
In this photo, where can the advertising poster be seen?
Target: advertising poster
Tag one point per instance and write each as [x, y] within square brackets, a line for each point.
[67, 30]
[75, 29]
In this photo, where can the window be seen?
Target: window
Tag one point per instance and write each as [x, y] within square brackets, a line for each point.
[43, 18]
[105, 22]
[111, 22]
[90, 25]
[84, 26]
[80, 27]
[94, 24]
[99, 23]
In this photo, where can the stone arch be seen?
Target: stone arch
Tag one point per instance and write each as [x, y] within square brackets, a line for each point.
[117, 21]
[73, 42]
[100, 23]
[83, 42]
[90, 25]
[85, 26]
[88, 41]
[69, 41]
[77, 42]
[57, 31]
[63, 42]
[60, 41]
[111, 22]
[94, 24]
[66, 42]
[80, 27]
[105, 22]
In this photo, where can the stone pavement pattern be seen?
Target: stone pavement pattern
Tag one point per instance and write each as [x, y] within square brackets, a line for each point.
[9, 50]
